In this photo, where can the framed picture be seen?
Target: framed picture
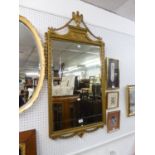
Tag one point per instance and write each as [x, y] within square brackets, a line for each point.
[131, 100]
[113, 121]
[112, 69]
[112, 100]
[27, 142]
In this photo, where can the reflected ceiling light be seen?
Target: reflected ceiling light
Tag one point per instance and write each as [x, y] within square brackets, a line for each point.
[78, 46]
[81, 66]
[32, 74]
[91, 61]
[72, 68]
[93, 64]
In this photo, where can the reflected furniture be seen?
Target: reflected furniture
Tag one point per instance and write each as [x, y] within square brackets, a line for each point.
[65, 86]
[63, 108]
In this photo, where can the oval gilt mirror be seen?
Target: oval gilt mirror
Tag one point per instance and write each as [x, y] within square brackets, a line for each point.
[31, 64]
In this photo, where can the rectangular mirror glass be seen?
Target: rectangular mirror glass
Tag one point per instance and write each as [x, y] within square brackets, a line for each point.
[76, 84]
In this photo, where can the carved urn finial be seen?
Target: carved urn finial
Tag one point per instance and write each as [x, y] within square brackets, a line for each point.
[77, 18]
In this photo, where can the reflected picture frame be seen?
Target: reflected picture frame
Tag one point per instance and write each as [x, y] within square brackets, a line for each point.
[113, 74]
[112, 99]
[113, 121]
[130, 100]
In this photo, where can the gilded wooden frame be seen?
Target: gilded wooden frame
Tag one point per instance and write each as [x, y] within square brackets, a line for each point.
[28, 24]
[129, 113]
[75, 34]
[107, 75]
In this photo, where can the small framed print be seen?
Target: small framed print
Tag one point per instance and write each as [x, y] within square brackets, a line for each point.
[131, 100]
[113, 121]
[112, 70]
[112, 100]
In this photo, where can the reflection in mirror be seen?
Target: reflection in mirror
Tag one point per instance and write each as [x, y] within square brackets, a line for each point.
[76, 86]
[28, 64]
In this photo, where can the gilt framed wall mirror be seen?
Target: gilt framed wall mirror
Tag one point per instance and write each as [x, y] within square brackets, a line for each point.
[76, 79]
[31, 64]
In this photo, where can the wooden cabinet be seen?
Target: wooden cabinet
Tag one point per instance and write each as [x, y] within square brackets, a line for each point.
[63, 107]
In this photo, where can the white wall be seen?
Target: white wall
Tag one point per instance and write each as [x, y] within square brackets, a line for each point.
[122, 145]
[93, 15]
[119, 46]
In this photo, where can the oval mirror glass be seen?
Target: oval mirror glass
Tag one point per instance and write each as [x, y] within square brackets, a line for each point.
[31, 64]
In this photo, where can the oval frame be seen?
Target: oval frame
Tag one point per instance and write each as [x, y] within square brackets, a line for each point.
[37, 39]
